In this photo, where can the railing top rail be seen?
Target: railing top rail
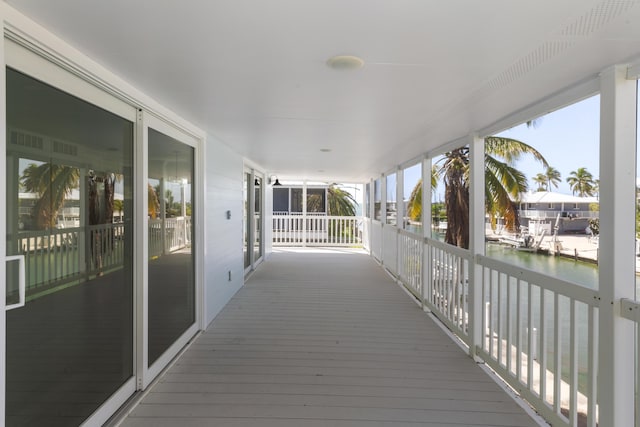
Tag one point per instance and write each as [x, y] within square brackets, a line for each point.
[462, 253]
[630, 309]
[284, 216]
[410, 234]
[48, 232]
[566, 288]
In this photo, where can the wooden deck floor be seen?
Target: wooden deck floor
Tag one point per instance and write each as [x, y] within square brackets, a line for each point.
[324, 339]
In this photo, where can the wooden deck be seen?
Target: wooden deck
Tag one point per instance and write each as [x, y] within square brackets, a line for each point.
[324, 338]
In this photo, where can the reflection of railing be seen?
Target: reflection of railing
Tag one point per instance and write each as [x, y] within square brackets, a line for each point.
[539, 333]
[58, 256]
[171, 236]
[317, 230]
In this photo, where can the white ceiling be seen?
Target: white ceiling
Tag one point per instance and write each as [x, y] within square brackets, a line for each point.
[253, 72]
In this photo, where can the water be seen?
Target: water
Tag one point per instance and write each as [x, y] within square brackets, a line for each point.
[579, 272]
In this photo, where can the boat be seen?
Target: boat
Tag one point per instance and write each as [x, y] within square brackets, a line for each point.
[524, 241]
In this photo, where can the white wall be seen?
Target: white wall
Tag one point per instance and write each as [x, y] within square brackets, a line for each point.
[223, 237]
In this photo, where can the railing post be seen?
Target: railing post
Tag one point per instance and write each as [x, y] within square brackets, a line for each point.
[426, 228]
[617, 241]
[476, 240]
[304, 214]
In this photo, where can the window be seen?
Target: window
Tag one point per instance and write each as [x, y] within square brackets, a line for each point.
[392, 205]
[377, 198]
[412, 198]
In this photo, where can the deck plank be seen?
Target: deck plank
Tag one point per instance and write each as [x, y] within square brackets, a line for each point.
[324, 339]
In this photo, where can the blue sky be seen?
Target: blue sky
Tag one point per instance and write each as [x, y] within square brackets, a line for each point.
[568, 139]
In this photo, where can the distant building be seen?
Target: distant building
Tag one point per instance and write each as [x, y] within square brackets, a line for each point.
[541, 209]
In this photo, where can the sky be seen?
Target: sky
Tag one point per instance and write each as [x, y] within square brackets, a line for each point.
[567, 138]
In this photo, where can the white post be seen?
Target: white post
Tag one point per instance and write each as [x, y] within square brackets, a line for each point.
[383, 214]
[476, 239]
[400, 209]
[399, 216]
[304, 213]
[617, 261]
[426, 227]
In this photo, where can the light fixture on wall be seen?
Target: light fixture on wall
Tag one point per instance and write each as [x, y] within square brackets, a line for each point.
[275, 183]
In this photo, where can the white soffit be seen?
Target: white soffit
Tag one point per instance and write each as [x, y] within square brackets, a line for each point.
[254, 74]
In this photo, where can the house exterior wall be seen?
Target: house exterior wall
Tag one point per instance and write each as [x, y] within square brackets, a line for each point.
[223, 245]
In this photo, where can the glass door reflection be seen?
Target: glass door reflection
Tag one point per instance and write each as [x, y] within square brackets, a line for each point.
[69, 169]
[171, 263]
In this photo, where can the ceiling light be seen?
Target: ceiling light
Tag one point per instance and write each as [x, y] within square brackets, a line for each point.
[325, 150]
[345, 62]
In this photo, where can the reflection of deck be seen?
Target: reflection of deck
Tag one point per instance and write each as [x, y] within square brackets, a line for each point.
[324, 338]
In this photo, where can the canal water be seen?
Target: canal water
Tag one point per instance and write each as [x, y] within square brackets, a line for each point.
[579, 272]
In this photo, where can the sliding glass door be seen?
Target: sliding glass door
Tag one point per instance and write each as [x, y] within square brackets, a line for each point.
[69, 219]
[168, 317]
[100, 246]
[171, 265]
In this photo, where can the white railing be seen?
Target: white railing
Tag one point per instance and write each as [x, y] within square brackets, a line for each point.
[540, 336]
[389, 248]
[539, 333]
[376, 239]
[317, 230]
[366, 234]
[630, 309]
[410, 252]
[446, 293]
[552, 215]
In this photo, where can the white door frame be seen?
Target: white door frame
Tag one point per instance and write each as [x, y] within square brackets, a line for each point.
[145, 373]
[32, 50]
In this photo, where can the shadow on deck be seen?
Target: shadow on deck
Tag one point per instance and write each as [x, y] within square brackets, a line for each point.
[324, 338]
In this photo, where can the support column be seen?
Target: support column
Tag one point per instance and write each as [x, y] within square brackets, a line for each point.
[426, 228]
[399, 214]
[476, 239]
[400, 208]
[304, 213]
[617, 242]
[383, 214]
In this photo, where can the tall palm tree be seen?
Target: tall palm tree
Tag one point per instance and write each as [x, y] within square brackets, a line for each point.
[414, 206]
[553, 177]
[53, 184]
[541, 180]
[503, 184]
[340, 202]
[581, 182]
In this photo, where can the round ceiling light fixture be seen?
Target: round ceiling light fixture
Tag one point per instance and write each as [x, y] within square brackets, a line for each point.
[345, 62]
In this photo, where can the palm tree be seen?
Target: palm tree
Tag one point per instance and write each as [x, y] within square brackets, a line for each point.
[581, 182]
[553, 177]
[153, 202]
[340, 202]
[414, 206]
[542, 182]
[118, 205]
[503, 184]
[52, 183]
